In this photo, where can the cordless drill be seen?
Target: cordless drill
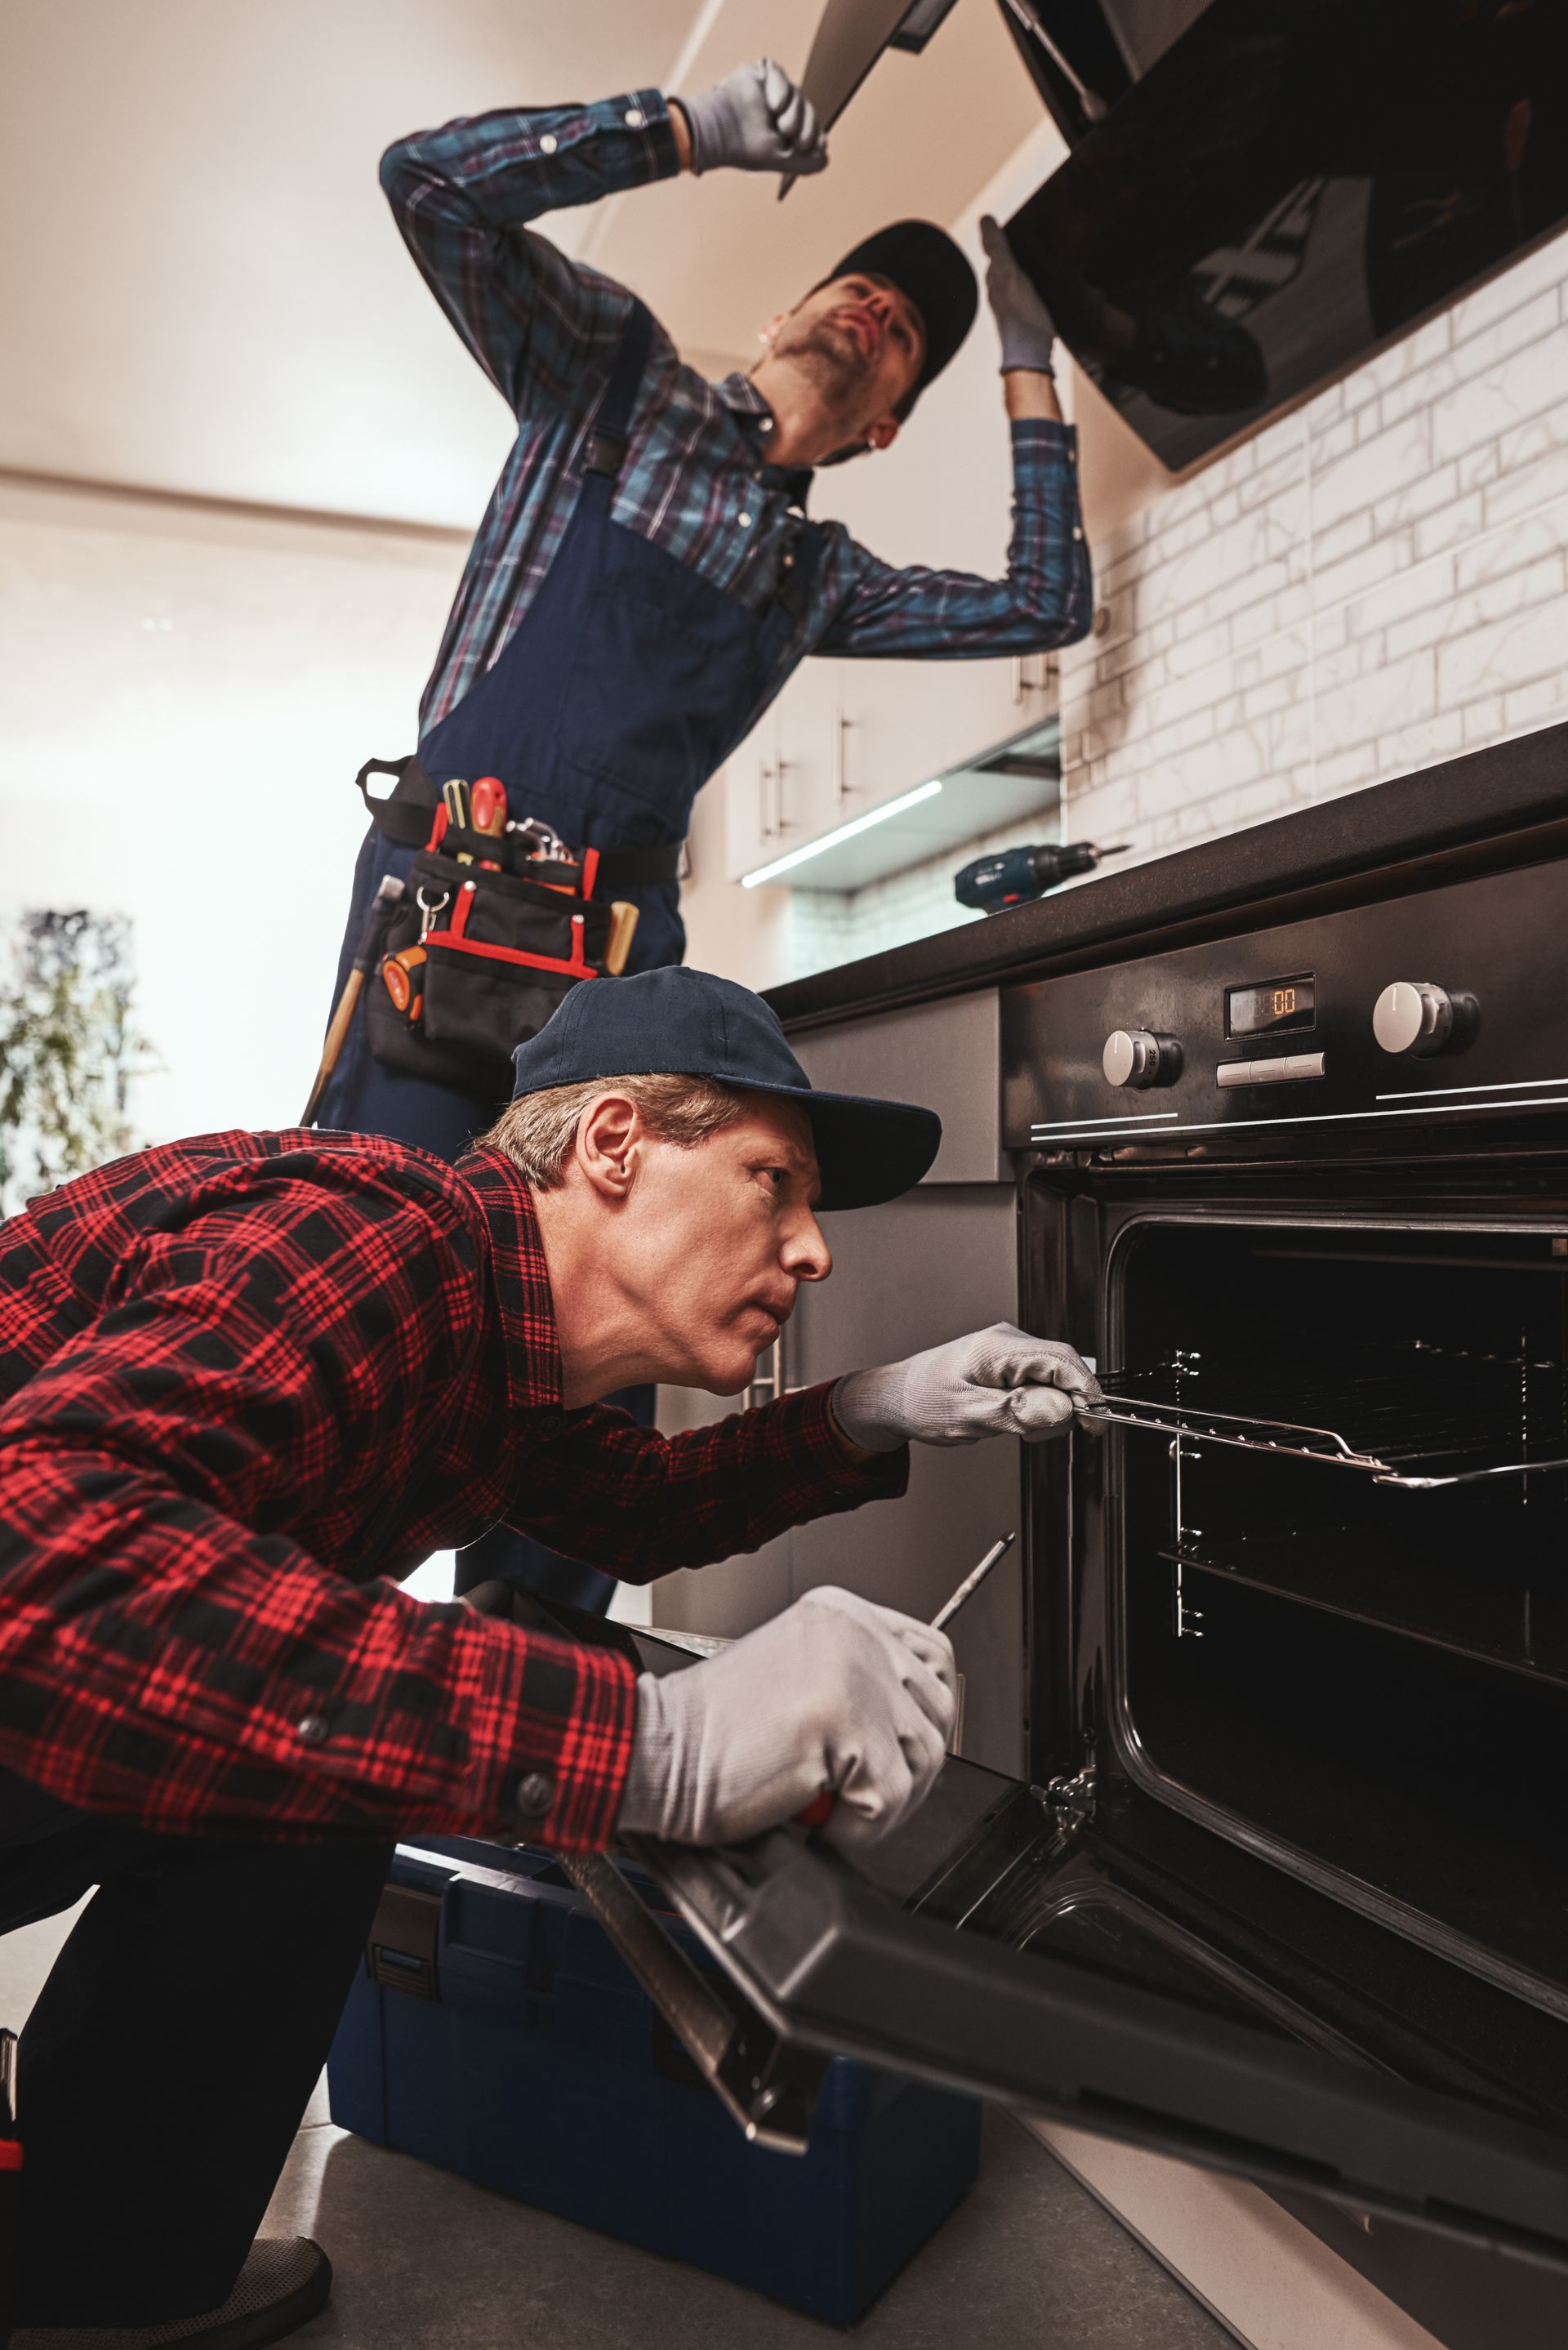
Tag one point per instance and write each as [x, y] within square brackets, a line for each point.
[991, 884]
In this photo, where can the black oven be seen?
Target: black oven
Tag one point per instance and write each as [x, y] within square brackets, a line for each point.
[1284, 1890]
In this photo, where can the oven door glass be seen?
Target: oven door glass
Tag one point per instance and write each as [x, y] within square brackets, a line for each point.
[1007, 1944]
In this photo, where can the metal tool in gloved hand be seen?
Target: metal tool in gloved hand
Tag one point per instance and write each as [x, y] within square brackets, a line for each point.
[826, 1693]
[382, 907]
[1011, 876]
[755, 120]
[835, 1692]
[996, 1382]
[819, 1811]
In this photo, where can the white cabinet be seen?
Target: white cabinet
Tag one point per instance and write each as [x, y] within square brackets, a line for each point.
[982, 702]
[846, 736]
[782, 785]
[751, 799]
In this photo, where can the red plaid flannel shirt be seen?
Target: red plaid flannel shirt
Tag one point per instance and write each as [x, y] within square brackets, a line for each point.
[246, 1377]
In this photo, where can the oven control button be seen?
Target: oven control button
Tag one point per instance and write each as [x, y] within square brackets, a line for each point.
[1414, 1016]
[1279, 1069]
[1136, 1056]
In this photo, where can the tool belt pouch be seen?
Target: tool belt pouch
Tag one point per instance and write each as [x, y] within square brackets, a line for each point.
[475, 962]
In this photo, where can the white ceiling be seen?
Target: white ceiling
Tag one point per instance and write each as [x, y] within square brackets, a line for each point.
[202, 289]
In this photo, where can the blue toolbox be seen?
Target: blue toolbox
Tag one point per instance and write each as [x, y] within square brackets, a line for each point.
[495, 2031]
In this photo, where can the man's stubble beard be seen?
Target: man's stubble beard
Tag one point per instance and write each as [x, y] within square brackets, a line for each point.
[831, 359]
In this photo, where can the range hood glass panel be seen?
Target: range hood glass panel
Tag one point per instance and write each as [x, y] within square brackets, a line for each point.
[1293, 183]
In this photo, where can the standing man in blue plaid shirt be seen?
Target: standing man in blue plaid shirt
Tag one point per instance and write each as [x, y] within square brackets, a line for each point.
[645, 578]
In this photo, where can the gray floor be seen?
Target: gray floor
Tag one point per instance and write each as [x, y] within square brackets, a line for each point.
[424, 2262]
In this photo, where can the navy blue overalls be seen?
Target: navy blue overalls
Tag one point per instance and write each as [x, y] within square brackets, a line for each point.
[627, 682]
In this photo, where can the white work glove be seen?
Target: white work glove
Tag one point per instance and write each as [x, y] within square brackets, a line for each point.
[835, 1693]
[1024, 324]
[995, 1382]
[755, 120]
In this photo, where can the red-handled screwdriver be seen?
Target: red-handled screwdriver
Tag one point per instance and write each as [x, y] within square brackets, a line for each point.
[819, 1811]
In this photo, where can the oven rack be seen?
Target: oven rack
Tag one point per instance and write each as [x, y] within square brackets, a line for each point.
[1412, 1413]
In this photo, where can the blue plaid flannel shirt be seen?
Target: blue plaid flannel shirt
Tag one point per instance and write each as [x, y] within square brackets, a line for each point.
[696, 481]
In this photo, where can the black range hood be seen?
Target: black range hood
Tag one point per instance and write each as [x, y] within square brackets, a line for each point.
[1261, 192]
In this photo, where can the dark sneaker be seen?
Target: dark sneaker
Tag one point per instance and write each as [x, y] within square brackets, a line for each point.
[284, 2283]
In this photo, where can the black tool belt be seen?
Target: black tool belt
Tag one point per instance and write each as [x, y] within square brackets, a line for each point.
[498, 920]
[405, 816]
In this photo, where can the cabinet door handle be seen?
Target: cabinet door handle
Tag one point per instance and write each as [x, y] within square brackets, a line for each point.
[781, 769]
[841, 784]
[764, 808]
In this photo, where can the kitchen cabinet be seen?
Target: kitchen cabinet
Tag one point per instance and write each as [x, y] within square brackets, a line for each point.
[779, 785]
[984, 702]
[751, 784]
[846, 736]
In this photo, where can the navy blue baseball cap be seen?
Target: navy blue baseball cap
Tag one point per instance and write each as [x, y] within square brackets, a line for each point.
[684, 1023]
[925, 263]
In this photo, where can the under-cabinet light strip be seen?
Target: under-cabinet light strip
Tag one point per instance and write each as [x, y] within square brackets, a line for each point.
[856, 824]
[1314, 1118]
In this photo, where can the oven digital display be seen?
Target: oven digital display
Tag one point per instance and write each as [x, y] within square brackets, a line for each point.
[1277, 1008]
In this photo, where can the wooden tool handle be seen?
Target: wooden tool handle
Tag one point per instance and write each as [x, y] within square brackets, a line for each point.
[623, 928]
[336, 1031]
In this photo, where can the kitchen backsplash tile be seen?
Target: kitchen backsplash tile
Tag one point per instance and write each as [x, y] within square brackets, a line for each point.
[1377, 581]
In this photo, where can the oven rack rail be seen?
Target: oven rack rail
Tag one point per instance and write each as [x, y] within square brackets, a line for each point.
[1415, 1414]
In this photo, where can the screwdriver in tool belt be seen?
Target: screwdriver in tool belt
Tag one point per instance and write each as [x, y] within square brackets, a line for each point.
[819, 1811]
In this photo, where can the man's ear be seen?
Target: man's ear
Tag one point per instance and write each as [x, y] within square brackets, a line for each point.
[883, 434]
[765, 334]
[608, 1147]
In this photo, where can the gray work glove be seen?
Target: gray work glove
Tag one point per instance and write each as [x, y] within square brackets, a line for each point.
[755, 120]
[1022, 320]
[835, 1693]
[995, 1382]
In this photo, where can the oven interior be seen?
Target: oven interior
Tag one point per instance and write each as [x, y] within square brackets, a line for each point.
[1342, 1620]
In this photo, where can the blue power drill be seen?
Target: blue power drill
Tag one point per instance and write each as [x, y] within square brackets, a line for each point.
[991, 884]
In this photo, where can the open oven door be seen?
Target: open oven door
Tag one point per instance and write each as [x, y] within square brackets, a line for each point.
[976, 1948]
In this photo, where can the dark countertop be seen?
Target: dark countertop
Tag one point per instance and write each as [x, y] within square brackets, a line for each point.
[1505, 806]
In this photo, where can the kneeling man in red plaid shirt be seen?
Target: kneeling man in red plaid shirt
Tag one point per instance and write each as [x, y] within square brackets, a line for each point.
[249, 1381]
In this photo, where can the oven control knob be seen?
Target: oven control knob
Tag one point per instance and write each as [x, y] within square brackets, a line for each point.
[1414, 1016]
[1136, 1056]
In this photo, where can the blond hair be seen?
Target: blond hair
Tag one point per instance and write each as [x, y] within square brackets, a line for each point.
[538, 1131]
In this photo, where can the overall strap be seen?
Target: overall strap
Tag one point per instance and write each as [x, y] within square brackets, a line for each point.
[604, 453]
[797, 568]
[405, 814]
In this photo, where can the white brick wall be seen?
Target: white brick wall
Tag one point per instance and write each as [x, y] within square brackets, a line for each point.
[1373, 584]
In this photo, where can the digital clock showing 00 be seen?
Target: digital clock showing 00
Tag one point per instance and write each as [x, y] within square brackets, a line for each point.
[1273, 1007]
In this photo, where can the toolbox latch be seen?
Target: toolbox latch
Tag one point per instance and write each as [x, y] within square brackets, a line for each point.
[405, 1934]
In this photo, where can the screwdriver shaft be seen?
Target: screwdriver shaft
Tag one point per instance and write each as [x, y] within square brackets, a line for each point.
[972, 1582]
